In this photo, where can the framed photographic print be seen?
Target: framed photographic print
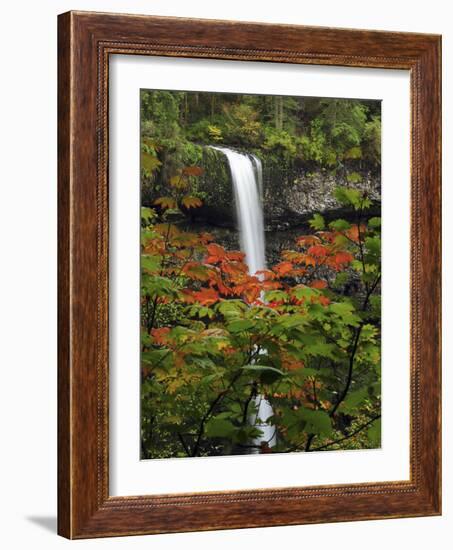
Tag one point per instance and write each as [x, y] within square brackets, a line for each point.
[249, 275]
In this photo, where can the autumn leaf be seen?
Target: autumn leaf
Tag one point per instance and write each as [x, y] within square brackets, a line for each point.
[192, 171]
[196, 271]
[206, 296]
[235, 255]
[185, 239]
[270, 285]
[191, 202]
[166, 202]
[166, 230]
[205, 237]
[318, 284]
[149, 162]
[234, 268]
[355, 232]
[265, 275]
[160, 335]
[308, 240]
[178, 182]
[283, 268]
[318, 251]
[341, 259]
[216, 253]
[222, 287]
[293, 256]
[309, 260]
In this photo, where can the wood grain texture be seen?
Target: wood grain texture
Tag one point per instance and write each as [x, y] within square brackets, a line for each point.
[85, 42]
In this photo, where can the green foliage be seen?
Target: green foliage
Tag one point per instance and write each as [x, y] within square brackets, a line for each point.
[354, 177]
[290, 131]
[214, 337]
[317, 222]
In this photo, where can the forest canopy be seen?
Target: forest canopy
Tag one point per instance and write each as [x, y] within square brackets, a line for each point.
[323, 133]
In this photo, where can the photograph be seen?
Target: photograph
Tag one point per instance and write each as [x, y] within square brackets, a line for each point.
[249, 271]
[260, 294]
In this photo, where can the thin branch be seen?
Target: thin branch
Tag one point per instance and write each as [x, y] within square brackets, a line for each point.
[183, 443]
[211, 409]
[350, 370]
[352, 434]
[253, 393]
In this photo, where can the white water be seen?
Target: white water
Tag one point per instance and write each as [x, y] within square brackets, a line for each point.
[247, 179]
[249, 211]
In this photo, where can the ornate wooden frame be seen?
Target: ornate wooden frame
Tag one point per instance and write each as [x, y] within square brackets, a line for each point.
[85, 42]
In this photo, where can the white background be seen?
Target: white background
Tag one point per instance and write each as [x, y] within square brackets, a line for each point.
[28, 274]
[128, 474]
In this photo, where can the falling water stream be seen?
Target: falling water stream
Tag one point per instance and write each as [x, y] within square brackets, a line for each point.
[247, 178]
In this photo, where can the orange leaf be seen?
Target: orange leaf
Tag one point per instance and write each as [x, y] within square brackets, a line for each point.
[196, 271]
[309, 260]
[222, 287]
[318, 251]
[342, 258]
[318, 284]
[354, 234]
[184, 239]
[270, 285]
[216, 253]
[265, 275]
[205, 237]
[293, 256]
[235, 255]
[283, 268]
[308, 240]
[192, 171]
[234, 268]
[206, 296]
[166, 202]
[191, 202]
[160, 335]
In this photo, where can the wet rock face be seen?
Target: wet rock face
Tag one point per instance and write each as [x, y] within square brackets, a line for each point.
[292, 200]
[290, 196]
[217, 189]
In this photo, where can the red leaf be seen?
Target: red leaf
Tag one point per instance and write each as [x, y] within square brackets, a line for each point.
[234, 268]
[283, 268]
[206, 296]
[160, 335]
[293, 256]
[216, 253]
[342, 258]
[196, 271]
[308, 240]
[318, 284]
[318, 251]
[235, 256]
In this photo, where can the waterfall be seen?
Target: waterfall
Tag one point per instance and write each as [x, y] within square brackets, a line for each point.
[247, 179]
[249, 210]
